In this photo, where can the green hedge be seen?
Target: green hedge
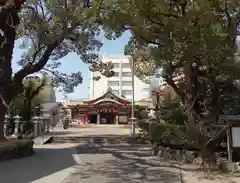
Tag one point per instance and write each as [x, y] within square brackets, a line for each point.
[15, 149]
[165, 133]
[169, 135]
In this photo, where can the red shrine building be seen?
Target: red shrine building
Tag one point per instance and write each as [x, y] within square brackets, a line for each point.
[106, 109]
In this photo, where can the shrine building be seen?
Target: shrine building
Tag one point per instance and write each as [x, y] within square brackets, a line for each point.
[106, 109]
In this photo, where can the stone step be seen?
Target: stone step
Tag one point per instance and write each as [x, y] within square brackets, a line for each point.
[97, 140]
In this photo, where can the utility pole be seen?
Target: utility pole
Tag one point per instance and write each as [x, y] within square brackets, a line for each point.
[133, 119]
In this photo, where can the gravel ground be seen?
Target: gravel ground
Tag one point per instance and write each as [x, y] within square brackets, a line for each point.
[207, 177]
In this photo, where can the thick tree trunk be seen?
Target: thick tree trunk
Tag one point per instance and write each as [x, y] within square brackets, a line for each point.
[2, 116]
[8, 23]
[6, 49]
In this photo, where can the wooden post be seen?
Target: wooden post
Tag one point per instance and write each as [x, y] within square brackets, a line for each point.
[229, 149]
[150, 130]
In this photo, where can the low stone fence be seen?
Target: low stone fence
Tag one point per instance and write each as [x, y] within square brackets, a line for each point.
[174, 154]
[14, 126]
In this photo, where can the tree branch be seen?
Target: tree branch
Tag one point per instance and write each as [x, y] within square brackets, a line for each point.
[53, 73]
[147, 13]
[32, 68]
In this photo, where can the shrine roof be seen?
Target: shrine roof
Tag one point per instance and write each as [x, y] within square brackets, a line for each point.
[107, 100]
[109, 96]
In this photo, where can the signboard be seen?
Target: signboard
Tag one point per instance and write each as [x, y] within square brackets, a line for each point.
[122, 119]
[108, 110]
[236, 136]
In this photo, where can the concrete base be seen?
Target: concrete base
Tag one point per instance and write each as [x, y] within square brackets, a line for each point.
[43, 139]
[229, 167]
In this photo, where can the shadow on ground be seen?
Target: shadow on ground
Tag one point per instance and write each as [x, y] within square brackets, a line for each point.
[128, 164]
[45, 162]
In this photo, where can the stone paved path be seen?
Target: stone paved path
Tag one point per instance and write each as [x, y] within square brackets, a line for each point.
[89, 162]
[121, 164]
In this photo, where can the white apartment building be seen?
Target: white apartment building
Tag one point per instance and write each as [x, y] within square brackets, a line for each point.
[121, 82]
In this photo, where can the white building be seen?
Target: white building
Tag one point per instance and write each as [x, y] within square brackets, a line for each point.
[121, 82]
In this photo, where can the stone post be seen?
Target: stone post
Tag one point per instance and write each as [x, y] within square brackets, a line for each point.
[151, 122]
[37, 126]
[98, 118]
[47, 123]
[133, 126]
[6, 130]
[60, 122]
[17, 121]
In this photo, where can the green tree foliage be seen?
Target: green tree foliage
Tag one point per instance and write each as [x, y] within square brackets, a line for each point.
[70, 27]
[49, 30]
[194, 38]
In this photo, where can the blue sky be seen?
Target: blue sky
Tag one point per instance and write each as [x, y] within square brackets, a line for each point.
[72, 63]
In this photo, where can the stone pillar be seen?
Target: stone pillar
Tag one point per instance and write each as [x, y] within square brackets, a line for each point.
[6, 130]
[60, 122]
[17, 122]
[37, 126]
[98, 118]
[116, 119]
[45, 124]
[48, 120]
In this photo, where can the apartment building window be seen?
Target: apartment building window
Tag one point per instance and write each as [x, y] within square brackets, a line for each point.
[116, 92]
[113, 83]
[127, 92]
[125, 65]
[116, 65]
[145, 89]
[127, 83]
[116, 74]
[126, 74]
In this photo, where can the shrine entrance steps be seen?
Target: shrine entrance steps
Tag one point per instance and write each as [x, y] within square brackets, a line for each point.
[100, 140]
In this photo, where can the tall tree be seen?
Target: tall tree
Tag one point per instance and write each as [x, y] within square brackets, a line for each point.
[51, 30]
[193, 38]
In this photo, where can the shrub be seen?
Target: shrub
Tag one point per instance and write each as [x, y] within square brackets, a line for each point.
[169, 135]
[166, 133]
[15, 149]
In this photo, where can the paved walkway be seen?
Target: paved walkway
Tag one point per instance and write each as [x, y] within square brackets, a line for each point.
[50, 164]
[118, 164]
[66, 163]
[89, 163]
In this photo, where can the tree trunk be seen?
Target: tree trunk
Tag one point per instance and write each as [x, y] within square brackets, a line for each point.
[6, 50]
[8, 23]
[191, 101]
[2, 118]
